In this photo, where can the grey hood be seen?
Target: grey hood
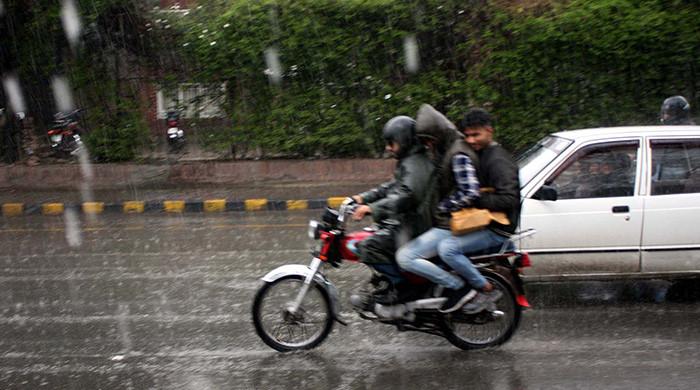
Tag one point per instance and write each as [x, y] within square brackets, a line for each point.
[432, 124]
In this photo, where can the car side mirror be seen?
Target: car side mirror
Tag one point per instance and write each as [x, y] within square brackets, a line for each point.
[546, 192]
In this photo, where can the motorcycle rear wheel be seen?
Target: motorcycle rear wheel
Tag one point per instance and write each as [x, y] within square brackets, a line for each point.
[483, 330]
[286, 331]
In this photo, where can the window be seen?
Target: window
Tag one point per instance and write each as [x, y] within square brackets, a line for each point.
[194, 100]
[675, 166]
[539, 156]
[598, 171]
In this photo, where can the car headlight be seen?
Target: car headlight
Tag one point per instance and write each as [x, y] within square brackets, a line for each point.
[313, 230]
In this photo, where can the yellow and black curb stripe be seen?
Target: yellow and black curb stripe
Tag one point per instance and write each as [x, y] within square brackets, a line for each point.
[169, 206]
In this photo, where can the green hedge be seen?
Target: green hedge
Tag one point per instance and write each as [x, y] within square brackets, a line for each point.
[539, 65]
[540, 69]
[592, 63]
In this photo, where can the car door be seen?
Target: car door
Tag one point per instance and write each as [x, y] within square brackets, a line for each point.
[595, 225]
[671, 238]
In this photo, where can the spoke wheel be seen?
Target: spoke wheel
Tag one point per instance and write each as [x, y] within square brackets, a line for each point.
[483, 330]
[284, 330]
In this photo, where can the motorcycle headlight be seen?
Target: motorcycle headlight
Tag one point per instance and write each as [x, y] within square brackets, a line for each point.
[313, 230]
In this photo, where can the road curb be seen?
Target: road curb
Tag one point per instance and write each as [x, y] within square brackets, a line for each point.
[209, 206]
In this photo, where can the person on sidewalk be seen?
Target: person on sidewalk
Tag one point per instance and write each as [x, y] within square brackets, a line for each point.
[400, 206]
[457, 188]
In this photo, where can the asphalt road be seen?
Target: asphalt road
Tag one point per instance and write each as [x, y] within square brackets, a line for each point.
[163, 302]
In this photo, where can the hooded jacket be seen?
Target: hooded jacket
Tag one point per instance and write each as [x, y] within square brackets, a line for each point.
[405, 199]
[431, 124]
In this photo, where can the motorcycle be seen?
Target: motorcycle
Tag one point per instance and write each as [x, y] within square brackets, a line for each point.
[176, 136]
[64, 134]
[297, 305]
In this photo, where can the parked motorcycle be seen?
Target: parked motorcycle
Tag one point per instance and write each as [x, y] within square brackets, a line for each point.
[64, 134]
[297, 305]
[176, 136]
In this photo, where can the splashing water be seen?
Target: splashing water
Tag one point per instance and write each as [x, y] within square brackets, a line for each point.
[62, 93]
[71, 21]
[410, 50]
[12, 90]
[274, 68]
[74, 235]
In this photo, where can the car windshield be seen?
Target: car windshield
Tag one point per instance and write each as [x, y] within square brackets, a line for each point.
[533, 160]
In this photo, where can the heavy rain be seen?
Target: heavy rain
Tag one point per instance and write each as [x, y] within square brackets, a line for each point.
[162, 159]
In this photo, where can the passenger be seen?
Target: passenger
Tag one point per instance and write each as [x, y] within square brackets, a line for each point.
[403, 200]
[457, 187]
[498, 172]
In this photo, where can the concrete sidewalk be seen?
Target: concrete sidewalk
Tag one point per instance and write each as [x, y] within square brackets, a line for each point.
[201, 198]
[187, 186]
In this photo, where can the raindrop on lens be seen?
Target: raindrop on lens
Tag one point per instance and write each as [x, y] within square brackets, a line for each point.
[73, 233]
[71, 21]
[410, 49]
[274, 68]
[62, 93]
[13, 91]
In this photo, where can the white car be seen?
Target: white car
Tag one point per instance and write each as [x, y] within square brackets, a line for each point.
[619, 202]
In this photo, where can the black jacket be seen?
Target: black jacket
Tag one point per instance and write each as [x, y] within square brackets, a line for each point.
[405, 198]
[498, 170]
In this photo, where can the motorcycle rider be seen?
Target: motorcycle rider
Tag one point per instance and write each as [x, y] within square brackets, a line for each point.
[675, 110]
[400, 206]
[457, 188]
[499, 172]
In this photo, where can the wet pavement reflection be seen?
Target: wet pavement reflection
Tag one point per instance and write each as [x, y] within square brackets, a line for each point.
[163, 302]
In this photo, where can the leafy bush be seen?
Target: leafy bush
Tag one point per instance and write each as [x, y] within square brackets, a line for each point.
[547, 67]
[116, 138]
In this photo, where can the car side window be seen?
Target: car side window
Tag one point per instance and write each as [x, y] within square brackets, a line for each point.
[675, 167]
[598, 171]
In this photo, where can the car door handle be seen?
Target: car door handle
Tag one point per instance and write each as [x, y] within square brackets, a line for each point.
[621, 209]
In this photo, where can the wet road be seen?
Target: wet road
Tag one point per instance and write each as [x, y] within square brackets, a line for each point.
[163, 302]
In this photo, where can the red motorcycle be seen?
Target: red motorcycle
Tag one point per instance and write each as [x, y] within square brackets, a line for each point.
[297, 305]
[64, 134]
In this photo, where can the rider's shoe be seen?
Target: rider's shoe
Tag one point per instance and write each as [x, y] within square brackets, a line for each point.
[481, 301]
[457, 299]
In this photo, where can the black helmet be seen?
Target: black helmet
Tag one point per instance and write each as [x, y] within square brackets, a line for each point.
[675, 111]
[402, 130]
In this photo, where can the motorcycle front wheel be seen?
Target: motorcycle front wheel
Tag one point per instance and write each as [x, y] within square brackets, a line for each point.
[488, 328]
[283, 330]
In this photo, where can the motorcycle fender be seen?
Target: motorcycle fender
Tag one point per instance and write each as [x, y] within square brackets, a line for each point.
[303, 271]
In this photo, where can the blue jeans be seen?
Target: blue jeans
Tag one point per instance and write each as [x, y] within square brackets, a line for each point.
[452, 250]
[412, 256]
[390, 271]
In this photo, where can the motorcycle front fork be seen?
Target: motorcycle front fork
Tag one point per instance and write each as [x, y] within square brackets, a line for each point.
[315, 265]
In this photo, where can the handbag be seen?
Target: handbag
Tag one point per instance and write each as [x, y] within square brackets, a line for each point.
[472, 219]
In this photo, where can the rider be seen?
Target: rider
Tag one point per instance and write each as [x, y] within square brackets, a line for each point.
[676, 111]
[457, 188]
[499, 172]
[401, 205]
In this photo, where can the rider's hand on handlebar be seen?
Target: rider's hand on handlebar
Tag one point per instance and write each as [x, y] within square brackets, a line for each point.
[358, 199]
[360, 212]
